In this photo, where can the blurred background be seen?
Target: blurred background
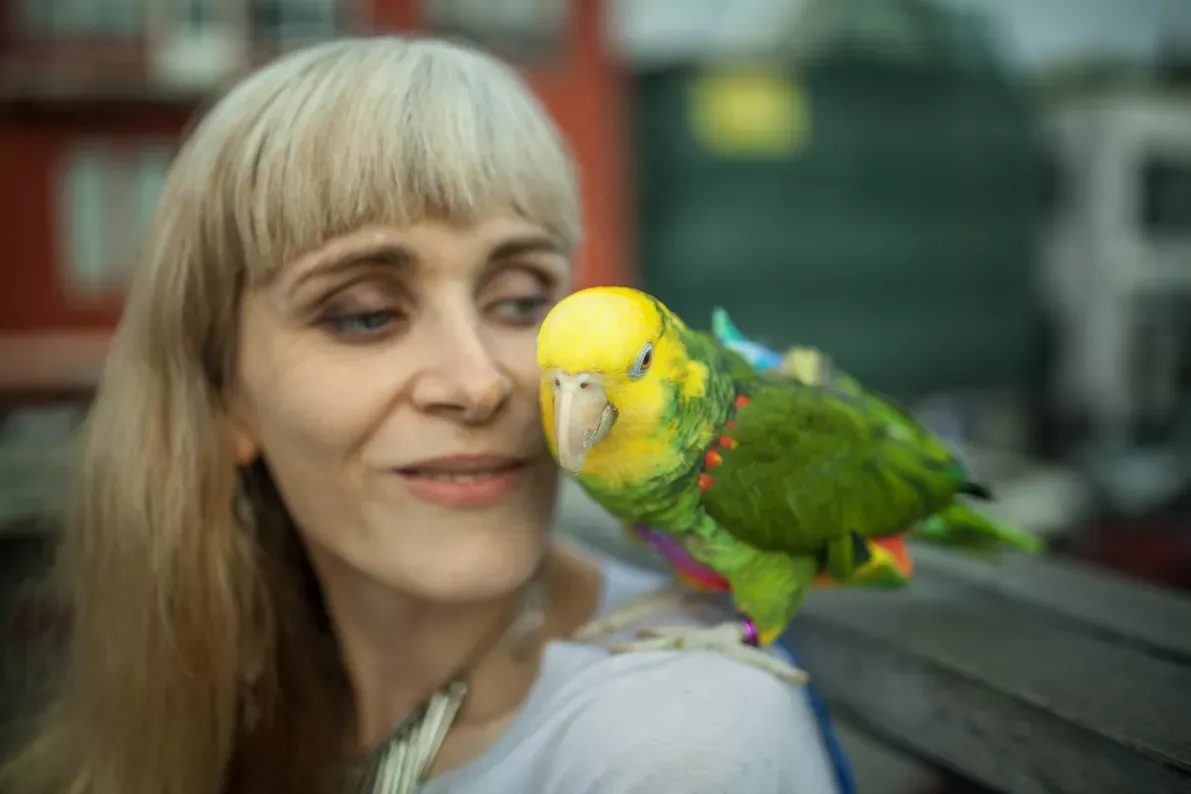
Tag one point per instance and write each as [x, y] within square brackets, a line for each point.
[980, 207]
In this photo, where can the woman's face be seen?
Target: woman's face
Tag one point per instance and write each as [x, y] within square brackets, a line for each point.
[389, 380]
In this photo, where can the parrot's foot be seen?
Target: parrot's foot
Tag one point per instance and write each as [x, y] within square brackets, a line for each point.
[734, 640]
[633, 612]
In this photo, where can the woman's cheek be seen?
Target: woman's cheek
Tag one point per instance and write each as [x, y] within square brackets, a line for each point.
[518, 354]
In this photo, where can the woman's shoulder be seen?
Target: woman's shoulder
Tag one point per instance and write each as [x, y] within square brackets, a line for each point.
[675, 721]
[658, 722]
[683, 721]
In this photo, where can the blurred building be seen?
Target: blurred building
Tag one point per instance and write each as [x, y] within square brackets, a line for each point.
[94, 95]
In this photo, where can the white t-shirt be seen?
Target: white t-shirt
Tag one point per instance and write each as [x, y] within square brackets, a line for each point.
[650, 723]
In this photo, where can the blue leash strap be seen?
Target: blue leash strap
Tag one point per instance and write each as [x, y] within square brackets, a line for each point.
[839, 759]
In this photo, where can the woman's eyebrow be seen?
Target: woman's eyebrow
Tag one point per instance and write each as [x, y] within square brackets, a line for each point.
[329, 263]
[509, 250]
[527, 244]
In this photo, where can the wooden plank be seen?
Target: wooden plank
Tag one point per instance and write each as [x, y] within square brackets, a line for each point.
[1127, 609]
[965, 727]
[1000, 692]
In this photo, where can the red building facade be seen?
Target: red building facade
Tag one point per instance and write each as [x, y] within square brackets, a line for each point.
[61, 115]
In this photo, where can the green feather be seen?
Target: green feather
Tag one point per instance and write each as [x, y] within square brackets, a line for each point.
[957, 525]
[811, 467]
[961, 526]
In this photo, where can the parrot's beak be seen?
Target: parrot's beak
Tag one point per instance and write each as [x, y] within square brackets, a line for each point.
[582, 416]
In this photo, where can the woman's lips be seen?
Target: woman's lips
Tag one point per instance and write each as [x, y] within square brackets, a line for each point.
[463, 481]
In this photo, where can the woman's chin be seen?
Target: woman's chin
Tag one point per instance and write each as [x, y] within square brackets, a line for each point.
[455, 567]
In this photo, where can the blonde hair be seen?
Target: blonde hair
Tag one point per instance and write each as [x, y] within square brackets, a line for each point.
[179, 603]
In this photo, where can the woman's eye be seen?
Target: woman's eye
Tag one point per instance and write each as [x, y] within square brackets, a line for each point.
[361, 323]
[522, 310]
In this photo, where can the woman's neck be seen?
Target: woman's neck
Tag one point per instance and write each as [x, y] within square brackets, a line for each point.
[397, 651]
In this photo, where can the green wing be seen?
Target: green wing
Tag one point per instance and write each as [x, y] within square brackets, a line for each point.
[808, 466]
[827, 375]
[957, 525]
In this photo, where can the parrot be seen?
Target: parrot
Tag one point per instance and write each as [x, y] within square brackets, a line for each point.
[755, 475]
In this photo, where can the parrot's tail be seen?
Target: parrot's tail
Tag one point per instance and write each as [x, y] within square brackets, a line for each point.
[960, 526]
[975, 489]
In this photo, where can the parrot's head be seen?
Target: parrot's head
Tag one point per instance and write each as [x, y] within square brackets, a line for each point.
[613, 362]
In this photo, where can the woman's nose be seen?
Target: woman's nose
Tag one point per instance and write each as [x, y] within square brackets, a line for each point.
[467, 381]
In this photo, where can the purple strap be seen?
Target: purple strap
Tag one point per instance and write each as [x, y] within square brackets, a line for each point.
[750, 631]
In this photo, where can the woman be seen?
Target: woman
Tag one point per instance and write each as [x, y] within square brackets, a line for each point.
[314, 491]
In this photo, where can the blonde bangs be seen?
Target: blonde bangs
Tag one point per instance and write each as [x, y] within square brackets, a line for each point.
[366, 131]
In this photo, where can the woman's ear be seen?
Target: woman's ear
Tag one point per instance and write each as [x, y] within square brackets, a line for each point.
[240, 430]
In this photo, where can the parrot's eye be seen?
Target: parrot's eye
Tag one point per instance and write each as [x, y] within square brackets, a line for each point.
[644, 359]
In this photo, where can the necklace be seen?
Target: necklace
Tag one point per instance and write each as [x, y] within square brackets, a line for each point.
[399, 763]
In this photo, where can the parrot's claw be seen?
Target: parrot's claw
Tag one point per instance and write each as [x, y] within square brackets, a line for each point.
[728, 639]
[641, 608]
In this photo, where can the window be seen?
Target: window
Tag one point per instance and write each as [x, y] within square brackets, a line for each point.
[107, 195]
[126, 47]
[272, 22]
[524, 30]
[284, 24]
[65, 18]
[1165, 206]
